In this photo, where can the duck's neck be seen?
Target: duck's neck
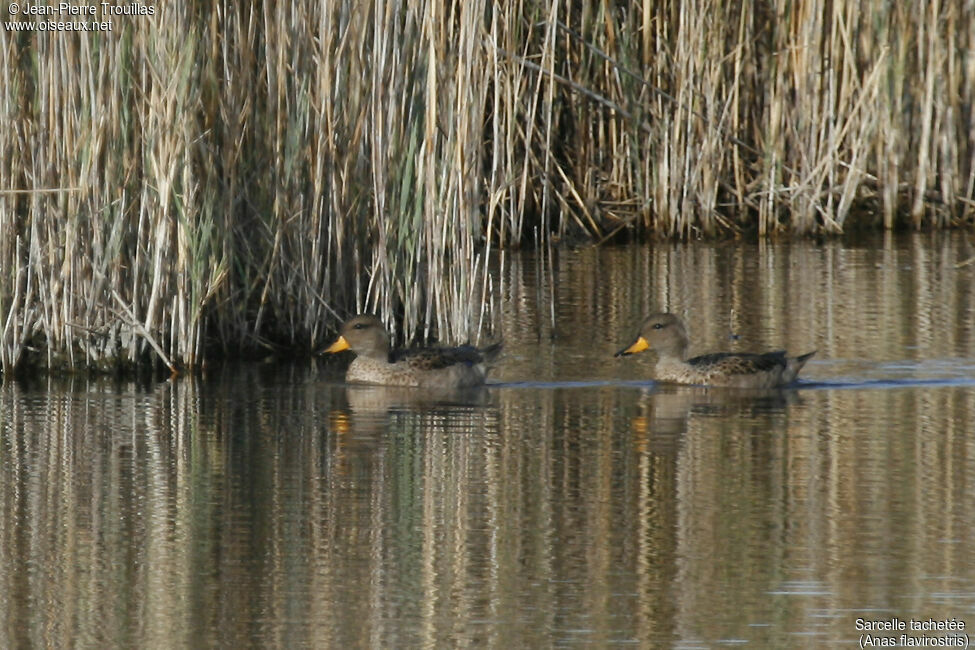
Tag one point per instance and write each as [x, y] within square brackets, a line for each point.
[379, 353]
[383, 356]
[675, 352]
[378, 349]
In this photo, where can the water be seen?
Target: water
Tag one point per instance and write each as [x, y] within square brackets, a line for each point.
[573, 502]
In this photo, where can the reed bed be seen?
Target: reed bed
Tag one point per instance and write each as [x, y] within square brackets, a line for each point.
[226, 178]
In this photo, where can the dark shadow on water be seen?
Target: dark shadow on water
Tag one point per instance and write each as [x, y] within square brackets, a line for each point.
[650, 384]
[873, 384]
[550, 385]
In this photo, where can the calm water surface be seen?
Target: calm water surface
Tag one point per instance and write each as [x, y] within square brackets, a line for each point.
[572, 502]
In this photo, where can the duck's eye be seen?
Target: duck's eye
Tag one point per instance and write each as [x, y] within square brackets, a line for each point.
[658, 326]
[359, 326]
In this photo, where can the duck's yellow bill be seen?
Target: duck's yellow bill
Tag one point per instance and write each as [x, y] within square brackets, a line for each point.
[638, 346]
[339, 345]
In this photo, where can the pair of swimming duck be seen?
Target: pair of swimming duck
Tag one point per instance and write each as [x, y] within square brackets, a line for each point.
[466, 366]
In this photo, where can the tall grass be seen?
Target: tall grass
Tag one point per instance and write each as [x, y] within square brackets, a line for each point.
[230, 178]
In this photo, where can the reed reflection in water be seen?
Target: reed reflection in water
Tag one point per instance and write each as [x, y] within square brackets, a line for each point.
[279, 507]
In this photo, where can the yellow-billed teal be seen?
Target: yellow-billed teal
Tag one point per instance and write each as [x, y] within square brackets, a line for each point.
[435, 367]
[665, 334]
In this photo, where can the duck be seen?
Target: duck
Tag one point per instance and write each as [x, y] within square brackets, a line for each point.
[665, 333]
[376, 363]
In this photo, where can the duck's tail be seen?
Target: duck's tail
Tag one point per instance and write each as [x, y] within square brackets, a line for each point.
[491, 352]
[792, 367]
[802, 359]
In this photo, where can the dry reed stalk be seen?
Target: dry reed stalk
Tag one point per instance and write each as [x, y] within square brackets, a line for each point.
[245, 176]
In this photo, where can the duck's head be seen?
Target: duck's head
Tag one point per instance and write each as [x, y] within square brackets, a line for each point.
[364, 335]
[663, 332]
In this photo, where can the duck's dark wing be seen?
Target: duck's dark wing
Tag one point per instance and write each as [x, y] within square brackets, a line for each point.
[732, 363]
[437, 358]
